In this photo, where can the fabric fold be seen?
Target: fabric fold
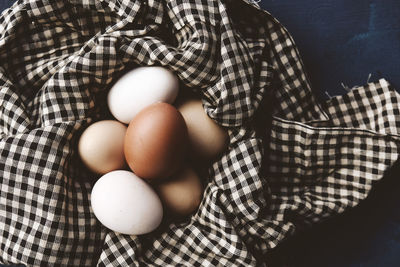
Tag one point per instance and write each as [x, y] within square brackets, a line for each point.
[292, 161]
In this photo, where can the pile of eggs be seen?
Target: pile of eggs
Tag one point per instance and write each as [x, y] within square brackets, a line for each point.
[143, 154]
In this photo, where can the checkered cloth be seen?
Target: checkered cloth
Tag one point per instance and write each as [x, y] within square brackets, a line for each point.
[292, 160]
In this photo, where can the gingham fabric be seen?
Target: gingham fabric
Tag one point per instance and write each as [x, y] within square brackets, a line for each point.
[292, 160]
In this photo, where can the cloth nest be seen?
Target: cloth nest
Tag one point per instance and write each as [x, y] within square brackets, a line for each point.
[292, 160]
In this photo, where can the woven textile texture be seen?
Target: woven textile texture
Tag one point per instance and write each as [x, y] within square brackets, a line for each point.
[292, 161]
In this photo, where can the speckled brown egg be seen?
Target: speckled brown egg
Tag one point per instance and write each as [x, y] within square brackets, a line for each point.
[156, 141]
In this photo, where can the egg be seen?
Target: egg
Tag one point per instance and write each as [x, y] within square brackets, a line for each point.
[156, 141]
[207, 139]
[126, 204]
[101, 146]
[182, 194]
[139, 88]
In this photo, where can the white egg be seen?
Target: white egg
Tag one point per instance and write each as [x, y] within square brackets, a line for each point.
[139, 88]
[126, 204]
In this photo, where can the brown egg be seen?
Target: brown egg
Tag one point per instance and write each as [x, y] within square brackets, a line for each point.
[156, 141]
[182, 194]
[101, 146]
[207, 139]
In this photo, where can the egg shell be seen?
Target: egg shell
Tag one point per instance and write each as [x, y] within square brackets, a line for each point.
[182, 193]
[126, 204]
[139, 88]
[101, 146]
[207, 139]
[156, 141]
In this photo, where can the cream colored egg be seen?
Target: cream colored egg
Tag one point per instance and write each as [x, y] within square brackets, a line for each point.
[207, 138]
[126, 204]
[181, 194]
[101, 146]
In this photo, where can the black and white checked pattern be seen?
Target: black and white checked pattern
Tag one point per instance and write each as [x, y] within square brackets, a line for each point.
[292, 161]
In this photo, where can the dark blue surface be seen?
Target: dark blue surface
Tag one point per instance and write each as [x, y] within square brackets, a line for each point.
[367, 236]
[345, 41]
[5, 3]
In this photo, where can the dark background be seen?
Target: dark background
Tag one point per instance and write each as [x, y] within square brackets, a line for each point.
[344, 41]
